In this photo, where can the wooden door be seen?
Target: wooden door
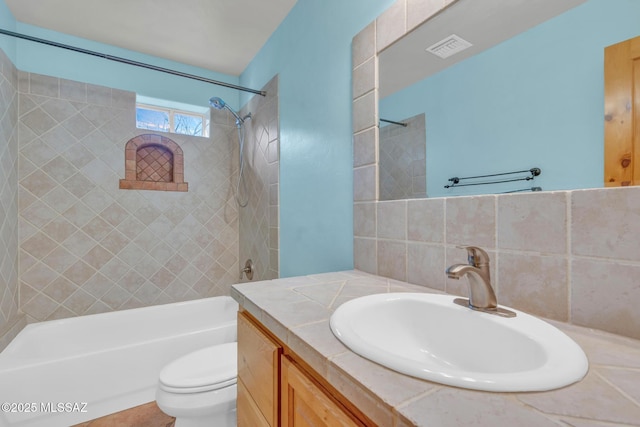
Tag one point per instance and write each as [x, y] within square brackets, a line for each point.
[304, 404]
[622, 114]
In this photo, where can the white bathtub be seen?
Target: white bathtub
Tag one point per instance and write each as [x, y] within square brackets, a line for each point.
[63, 372]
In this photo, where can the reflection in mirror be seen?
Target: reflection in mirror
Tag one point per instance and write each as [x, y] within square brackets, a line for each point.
[534, 100]
[402, 159]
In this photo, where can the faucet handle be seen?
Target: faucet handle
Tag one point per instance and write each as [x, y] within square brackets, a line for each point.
[476, 256]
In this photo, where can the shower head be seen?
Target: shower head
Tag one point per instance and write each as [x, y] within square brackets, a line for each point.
[216, 102]
[219, 104]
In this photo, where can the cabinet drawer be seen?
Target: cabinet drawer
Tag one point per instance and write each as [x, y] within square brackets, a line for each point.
[258, 361]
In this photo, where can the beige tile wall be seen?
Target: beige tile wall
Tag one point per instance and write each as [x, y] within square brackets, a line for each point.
[259, 219]
[88, 247]
[11, 320]
[572, 256]
[403, 162]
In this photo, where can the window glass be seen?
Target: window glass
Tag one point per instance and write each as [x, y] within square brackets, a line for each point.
[187, 124]
[152, 119]
[166, 116]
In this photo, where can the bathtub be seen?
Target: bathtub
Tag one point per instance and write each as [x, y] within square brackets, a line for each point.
[63, 372]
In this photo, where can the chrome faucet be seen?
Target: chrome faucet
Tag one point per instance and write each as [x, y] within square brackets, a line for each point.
[481, 295]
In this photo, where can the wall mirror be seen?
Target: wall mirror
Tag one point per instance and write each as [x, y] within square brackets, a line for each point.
[527, 94]
[402, 151]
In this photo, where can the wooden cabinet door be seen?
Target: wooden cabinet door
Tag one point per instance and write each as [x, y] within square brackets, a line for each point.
[258, 374]
[249, 415]
[622, 114]
[304, 404]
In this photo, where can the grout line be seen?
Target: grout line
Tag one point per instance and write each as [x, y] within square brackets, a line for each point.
[618, 389]
[444, 241]
[405, 203]
[333, 300]
[436, 388]
[496, 267]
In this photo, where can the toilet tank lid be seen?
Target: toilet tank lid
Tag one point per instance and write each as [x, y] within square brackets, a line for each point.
[208, 366]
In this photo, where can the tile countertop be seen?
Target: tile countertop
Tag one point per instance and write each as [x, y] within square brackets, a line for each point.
[297, 311]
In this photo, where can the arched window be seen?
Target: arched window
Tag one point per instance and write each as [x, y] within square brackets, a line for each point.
[153, 162]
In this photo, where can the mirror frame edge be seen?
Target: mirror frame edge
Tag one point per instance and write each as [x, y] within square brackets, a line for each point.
[394, 23]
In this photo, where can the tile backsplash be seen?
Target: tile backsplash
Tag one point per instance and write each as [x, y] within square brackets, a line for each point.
[572, 256]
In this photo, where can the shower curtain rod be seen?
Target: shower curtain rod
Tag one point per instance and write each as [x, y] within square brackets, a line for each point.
[130, 62]
[395, 123]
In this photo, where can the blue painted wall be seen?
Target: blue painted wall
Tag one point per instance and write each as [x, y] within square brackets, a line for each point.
[502, 110]
[311, 51]
[42, 59]
[7, 22]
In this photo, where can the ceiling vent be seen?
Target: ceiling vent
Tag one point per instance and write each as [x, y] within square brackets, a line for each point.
[449, 46]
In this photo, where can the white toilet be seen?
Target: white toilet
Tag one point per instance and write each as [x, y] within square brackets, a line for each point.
[199, 389]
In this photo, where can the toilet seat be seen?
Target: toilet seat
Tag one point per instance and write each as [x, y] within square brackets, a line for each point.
[208, 369]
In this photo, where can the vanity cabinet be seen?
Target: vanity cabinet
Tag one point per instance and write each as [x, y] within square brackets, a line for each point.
[258, 375]
[277, 388]
[304, 404]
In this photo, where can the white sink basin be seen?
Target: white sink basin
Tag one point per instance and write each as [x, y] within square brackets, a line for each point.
[430, 337]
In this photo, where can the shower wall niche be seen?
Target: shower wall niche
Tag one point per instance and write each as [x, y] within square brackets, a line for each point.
[153, 162]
